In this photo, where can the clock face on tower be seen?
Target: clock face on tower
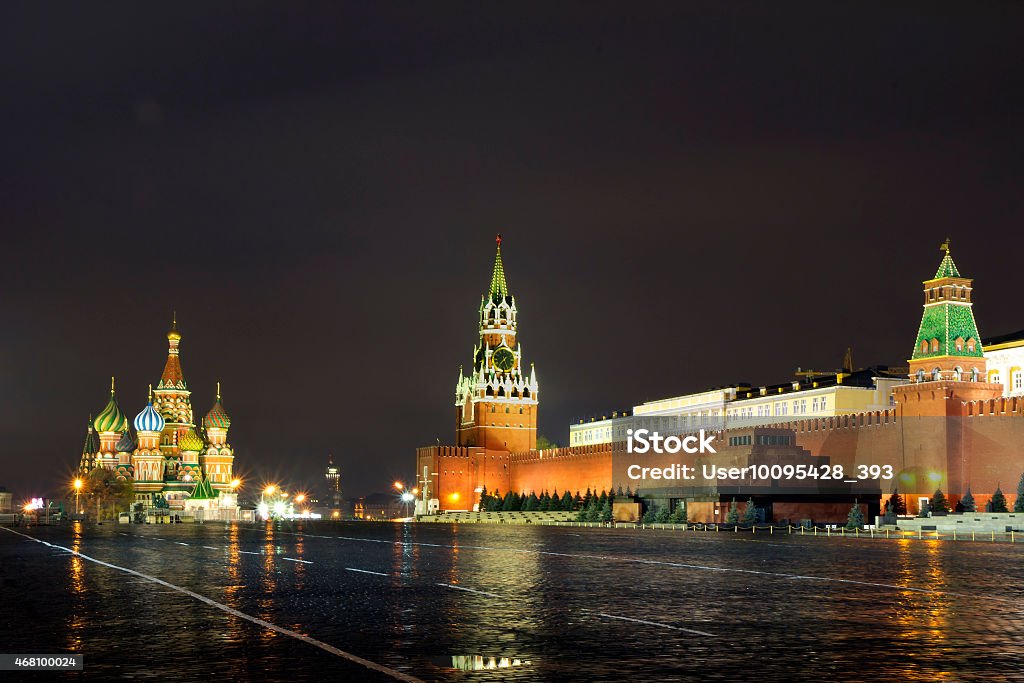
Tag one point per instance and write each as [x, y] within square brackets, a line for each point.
[504, 359]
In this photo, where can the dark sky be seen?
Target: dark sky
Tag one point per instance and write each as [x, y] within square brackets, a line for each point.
[691, 194]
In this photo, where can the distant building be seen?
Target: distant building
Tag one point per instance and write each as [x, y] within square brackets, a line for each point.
[6, 501]
[332, 478]
[377, 506]
[1004, 356]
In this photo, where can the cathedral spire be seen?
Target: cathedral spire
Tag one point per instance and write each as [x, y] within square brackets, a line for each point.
[499, 290]
[172, 377]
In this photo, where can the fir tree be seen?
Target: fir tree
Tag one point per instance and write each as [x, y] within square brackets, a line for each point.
[734, 514]
[648, 517]
[629, 492]
[967, 502]
[603, 499]
[896, 504]
[494, 504]
[855, 519]
[999, 501]
[555, 501]
[587, 497]
[508, 502]
[750, 514]
[484, 499]
[531, 502]
[663, 516]
[1018, 505]
[567, 502]
[620, 490]
[679, 514]
[591, 512]
[606, 512]
[939, 502]
[577, 501]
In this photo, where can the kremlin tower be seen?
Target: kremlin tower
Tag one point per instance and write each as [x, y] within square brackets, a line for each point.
[166, 460]
[496, 404]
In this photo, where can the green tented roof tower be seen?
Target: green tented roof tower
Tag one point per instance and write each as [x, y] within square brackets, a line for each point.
[948, 345]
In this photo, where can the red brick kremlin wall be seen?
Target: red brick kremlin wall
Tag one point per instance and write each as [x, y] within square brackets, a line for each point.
[981, 446]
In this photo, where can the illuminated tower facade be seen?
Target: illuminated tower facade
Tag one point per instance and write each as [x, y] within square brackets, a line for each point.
[496, 403]
[333, 478]
[172, 399]
[948, 345]
[110, 424]
[148, 459]
[218, 458]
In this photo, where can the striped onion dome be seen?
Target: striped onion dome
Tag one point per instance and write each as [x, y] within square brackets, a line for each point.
[126, 444]
[217, 417]
[149, 420]
[190, 442]
[111, 419]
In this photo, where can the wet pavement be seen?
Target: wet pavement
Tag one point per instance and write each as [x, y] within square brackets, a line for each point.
[364, 601]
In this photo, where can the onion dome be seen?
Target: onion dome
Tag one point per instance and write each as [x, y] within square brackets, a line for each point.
[190, 442]
[126, 444]
[149, 420]
[217, 417]
[174, 335]
[91, 445]
[111, 419]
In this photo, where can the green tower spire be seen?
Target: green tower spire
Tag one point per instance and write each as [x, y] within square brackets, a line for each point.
[947, 324]
[499, 290]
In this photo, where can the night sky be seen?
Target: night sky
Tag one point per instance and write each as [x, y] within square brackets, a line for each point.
[691, 194]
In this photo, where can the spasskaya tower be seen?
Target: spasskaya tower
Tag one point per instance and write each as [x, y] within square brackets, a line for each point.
[496, 404]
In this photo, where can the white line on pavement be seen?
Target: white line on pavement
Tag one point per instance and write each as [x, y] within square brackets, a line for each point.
[469, 590]
[364, 571]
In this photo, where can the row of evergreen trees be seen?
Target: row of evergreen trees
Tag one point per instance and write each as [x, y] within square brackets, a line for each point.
[939, 503]
[567, 502]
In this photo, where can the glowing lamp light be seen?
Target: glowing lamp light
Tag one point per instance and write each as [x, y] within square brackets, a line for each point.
[934, 476]
[408, 497]
[235, 483]
[264, 510]
[399, 485]
[279, 508]
[454, 497]
[78, 484]
[415, 492]
[270, 490]
[300, 497]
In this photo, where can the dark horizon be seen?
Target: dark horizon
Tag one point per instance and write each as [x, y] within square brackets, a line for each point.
[687, 199]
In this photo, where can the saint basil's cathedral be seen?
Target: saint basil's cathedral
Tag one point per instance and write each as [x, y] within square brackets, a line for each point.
[167, 456]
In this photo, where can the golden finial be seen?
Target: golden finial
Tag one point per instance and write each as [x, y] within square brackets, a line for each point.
[111, 385]
[174, 334]
[218, 391]
[945, 246]
[150, 393]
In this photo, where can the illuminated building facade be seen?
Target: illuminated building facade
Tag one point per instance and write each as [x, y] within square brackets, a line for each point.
[163, 452]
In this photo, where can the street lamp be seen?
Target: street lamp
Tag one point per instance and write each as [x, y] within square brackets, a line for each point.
[235, 483]
[399, 485]
[78, 489]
